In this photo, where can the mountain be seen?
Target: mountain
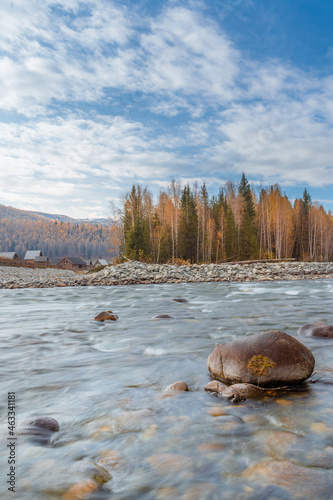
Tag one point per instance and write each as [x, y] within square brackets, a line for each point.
[18, 214]
[55, 235]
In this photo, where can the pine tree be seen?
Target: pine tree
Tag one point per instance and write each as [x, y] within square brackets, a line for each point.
[188, 225]
[248, 246]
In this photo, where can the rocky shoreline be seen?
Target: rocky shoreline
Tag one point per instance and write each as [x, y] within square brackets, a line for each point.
[133, 273]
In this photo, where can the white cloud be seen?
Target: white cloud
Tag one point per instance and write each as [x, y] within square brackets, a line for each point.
[269, 119]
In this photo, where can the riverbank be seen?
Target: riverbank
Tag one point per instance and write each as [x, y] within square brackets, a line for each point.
[138, 273]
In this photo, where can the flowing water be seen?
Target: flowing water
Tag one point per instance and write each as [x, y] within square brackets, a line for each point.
[104, 382]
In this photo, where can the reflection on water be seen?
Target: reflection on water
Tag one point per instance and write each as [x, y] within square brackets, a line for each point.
[104, 385]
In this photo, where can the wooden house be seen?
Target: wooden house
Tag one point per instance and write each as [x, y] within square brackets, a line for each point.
[101, 262]
[72, 263]
[12, 256]
[31, 255]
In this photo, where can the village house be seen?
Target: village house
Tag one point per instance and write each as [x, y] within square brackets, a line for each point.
[101, 262]
[30, 256]
[41, 261]
[73, 263]
[9, 256]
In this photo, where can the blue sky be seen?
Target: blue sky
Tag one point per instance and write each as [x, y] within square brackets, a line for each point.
[96, 95]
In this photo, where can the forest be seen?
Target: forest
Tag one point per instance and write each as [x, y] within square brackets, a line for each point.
[56, 238]
[187, 224]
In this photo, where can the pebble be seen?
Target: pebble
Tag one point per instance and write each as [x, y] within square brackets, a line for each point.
[138, 273]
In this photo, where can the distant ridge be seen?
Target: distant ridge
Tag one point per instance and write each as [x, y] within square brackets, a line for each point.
[18, 214]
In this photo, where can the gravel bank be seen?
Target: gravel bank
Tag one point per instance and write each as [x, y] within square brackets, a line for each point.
[138, 273]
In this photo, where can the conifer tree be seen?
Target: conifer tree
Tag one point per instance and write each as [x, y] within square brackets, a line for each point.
[248, 246]
[188, 225]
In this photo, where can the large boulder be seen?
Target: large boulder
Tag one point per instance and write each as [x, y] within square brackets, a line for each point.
[316, 330]
[269, 359]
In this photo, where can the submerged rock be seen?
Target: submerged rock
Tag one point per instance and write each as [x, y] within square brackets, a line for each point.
[163, 316]
[301, 482]
[112, 460]
[269, 359]
[169, 463]
[40, 430]
[247, 390]
[106, 316]
[214, 386]
[80, 491]
[177, 386]
[316, 330]
[133, 421]
[90, 470]
[180, 300]
[47, 423]
[226, 392]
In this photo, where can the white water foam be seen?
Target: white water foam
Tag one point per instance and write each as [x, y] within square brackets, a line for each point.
[152, 351]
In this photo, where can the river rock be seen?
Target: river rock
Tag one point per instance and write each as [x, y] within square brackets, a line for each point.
[247, 390]
[177, 386]
[180, 300]
[46, 423]
[269, 359]
[106, 316]
[40, 430]
[169, 463]
[302, 482]
[224, 391]
[133, 421]
[214, 386]
[80, 491]
[90, 470]
[162, 316]
[316, 330]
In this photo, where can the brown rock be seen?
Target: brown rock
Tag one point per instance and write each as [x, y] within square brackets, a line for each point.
[47, 423]
[247, 390]
[133, 421]
[88, 469]
[169, 463]
[199, 491]
[163, 316]
[80, 491]
[217, 411]
[180, 300]
[177, 386]
[224, 391]
[106, 316]
[112, 460]
[214, 386]
[279, 444]
[208, 448]
[302, 482]
[316, 330]
[269, 359]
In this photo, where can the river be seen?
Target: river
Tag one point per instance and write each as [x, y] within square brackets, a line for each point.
[96, 379]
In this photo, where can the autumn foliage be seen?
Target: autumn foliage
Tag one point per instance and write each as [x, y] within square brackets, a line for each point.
[57, 239]
[186, 223]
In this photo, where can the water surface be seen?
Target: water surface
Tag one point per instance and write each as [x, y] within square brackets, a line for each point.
[97, 378]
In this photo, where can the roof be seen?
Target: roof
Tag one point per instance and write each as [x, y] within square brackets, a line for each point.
[87, 261]
[41, 259]
[101, 262]
[8, 255]
[32, 254]
[74, 260]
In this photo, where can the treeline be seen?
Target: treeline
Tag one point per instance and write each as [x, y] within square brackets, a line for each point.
[190, 225]
[55, 238]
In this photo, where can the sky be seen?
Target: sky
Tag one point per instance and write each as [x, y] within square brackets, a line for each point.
[99, 94]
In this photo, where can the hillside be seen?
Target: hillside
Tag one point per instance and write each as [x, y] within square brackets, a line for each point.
[18, 214]
[22, 230]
